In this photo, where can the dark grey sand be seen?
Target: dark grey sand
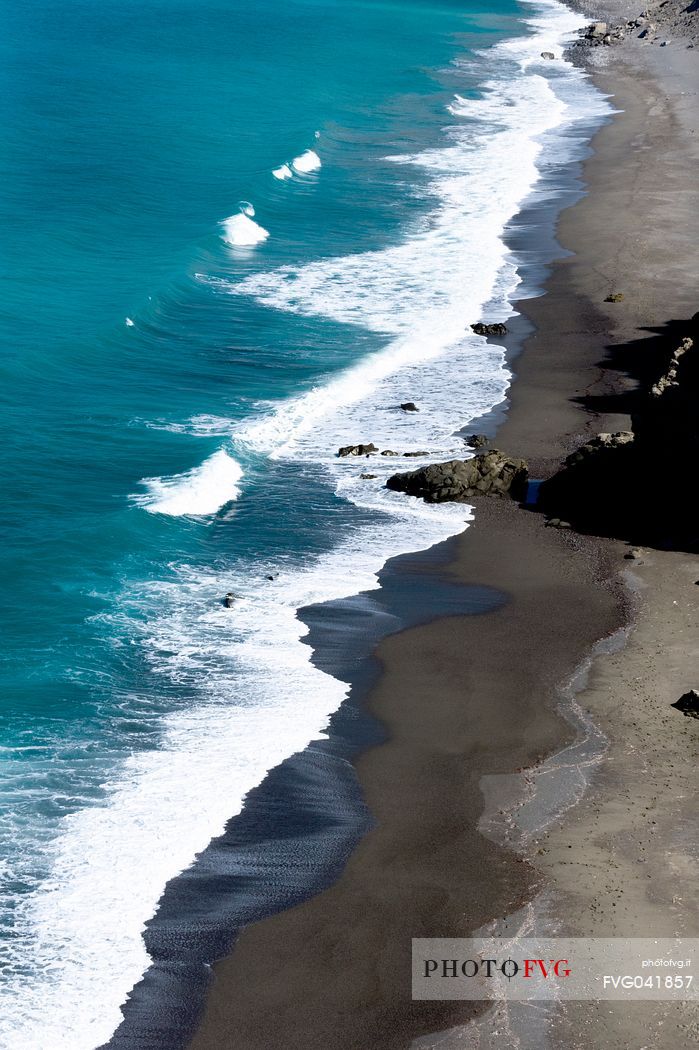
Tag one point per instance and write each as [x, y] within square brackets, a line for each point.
[464, 697]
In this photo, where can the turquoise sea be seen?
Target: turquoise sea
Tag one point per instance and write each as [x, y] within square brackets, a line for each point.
[234, 238]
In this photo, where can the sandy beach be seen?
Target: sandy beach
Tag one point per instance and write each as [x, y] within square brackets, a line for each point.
[468, 698]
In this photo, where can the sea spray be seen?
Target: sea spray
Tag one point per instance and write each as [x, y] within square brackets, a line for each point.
[241, 231]
[306, 162]
[201, 490]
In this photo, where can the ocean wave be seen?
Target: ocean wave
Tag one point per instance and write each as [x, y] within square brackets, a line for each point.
[257, 695]
[200, 491]
[283, 172]
[202, 425]
[241, 230]
[306, 162]
[249, 669]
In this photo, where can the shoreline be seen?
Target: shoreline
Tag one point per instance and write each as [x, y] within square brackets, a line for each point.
[309, 806]
[300, 978]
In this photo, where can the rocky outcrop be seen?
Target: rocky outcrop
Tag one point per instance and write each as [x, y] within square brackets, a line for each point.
[489, 329]
[598, 446]
[640, 484]
[601, 33]
[409, 406]
[583, 490]
[358, 450]
[670, 378]
[671, 20]
[487, 474]
[688, 704]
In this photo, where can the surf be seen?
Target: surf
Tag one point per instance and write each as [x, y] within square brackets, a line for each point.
[200, 491]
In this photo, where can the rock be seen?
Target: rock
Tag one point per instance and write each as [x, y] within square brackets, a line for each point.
[688, 704]
[229, 600]
[634, 554]
[415, 455]
[639, 485]
[599, 444]
[477, 441]
[409, 406]
[357, 450]
[670, 377]
[607, 40]
[489, 329]
[488, 473]
[597, 30]
[547, 54]
[271, 577]
[389, 452]
[367, 477]
[614, 297]
[588, 483]
[556, 523]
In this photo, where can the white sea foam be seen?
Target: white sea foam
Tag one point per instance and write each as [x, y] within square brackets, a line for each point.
[128, 322]
[202, 490]
[259, 696]
[283, 172]
[306, 162]
[241, 231]
[204, 425]
[112, 861]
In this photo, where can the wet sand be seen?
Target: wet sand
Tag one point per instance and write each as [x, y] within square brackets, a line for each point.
[465, 697]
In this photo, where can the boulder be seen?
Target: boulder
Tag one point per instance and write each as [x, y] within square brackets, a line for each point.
[599, 445]
[487, 474]
[614, 297]
[688, 704]
[415, 455]
[389, 452]
[477, 441]
[357, 450]
[547, 54]
[489, 329]
[409, 406]
[597, 30]
[367, 477]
